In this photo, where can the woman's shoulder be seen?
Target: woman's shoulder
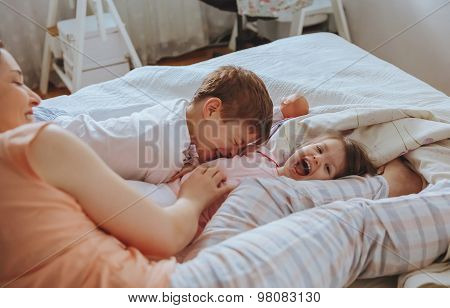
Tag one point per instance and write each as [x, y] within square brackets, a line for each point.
[50, 133]
[33, 134]
[15, 142]
[52, 143]
[15, 148]
[46, 135]
[33, 142]
[24, 132]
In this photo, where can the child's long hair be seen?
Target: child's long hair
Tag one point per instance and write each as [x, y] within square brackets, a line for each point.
[357, 161]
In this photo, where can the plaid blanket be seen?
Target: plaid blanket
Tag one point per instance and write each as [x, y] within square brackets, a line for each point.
[283, 233]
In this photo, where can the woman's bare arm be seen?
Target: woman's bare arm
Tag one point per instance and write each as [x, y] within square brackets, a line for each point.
[65, 162]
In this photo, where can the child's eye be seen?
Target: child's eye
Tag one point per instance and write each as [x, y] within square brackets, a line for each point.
[327, 167]
[319, 149]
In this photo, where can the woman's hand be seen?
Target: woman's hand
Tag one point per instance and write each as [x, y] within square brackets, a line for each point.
[205, 186]
[294, 106]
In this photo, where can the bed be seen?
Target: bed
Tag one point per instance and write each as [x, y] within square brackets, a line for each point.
[360, 91]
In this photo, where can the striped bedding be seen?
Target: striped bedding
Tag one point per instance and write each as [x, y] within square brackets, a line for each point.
[284, 233]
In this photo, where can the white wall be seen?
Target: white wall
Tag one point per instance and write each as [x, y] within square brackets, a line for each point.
[422, 51]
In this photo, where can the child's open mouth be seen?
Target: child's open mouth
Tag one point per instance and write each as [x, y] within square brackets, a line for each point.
[303, 167]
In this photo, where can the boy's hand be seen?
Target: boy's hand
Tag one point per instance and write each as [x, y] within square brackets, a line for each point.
[204, 187]
[294, 106]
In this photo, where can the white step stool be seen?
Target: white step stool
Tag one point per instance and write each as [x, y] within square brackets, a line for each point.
[75, 65]
[333, 7]
[103, 59]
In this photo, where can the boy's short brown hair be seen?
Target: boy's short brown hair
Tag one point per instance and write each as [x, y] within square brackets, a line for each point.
[244, 97]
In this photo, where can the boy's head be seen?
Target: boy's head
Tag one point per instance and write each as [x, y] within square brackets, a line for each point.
[328, 157]
[230, 109]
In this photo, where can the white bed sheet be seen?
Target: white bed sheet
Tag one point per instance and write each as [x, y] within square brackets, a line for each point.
[328, 69]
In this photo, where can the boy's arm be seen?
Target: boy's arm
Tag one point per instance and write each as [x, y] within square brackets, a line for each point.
[132, 146]
[114, 140]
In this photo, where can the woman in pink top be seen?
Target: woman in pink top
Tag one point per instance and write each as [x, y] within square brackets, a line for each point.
[56, 193]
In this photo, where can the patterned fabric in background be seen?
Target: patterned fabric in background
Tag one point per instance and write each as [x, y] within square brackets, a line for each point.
[270, 8]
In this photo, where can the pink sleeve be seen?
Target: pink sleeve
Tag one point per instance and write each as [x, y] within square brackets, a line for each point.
[253, 165]
[241, 167]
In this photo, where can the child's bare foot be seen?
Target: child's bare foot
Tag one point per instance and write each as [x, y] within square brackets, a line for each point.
[401, 179]
[294, 106]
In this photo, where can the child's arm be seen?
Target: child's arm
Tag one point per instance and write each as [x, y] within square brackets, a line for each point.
[66, 163]
[291, 107]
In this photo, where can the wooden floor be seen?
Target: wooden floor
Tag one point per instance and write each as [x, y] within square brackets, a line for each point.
[186, 59]
[195, 56]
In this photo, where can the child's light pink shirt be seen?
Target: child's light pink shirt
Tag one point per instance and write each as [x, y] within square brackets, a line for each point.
[254, 165]
[46, 240]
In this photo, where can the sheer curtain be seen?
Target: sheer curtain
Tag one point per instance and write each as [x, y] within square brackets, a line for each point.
[22, 30]
[158, 28]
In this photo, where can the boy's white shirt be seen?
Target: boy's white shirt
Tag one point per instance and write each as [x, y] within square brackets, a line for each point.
[150, 145]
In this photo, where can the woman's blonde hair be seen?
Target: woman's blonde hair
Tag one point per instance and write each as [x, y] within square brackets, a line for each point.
[357, 161]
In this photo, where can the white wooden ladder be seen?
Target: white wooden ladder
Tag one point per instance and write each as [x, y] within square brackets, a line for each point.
[74, 83]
